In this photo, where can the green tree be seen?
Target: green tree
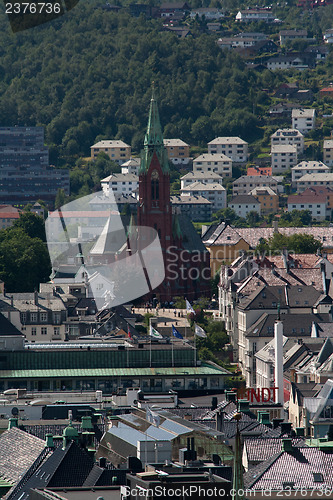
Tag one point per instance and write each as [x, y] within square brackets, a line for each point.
[24, 261]
[32, 225]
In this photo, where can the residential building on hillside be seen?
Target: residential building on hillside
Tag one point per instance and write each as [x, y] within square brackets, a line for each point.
[326, 92]
[213, 192]
[244, 204]
[255, 15]
[303, 120]
[288, 136]
[120, 184]
[25, 172]
[197, 208]
[328, 152]
[178, 151]
[245, 183]
[289, 35]
[307, 167]
[203, 177]
[286, 62]
[328, 36]
[131, 166]
[283, 158]
[233, 147]
[218, 163]
[268, 199]
[207, 12]
[117, 151]
[318, 201]
[313, 180]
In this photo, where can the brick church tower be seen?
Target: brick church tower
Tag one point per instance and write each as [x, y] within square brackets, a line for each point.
[186, 260]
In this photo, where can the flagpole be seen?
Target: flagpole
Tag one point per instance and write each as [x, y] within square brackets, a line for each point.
[150, 342]
[195, 349]
[173, 360]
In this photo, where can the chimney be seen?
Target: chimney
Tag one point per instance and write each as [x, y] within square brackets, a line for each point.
[285, 428]
[49, 441]
[36, 298]
[102, 462]
[231, 396]
[287, 445]
[86, 424]
[12, 300]
[278, 346]
[276, 422]
[214, 403]
[12, 422]
[243, 405]
[219, 421]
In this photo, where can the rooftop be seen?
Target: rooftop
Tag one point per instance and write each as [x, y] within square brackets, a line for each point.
[110, 144]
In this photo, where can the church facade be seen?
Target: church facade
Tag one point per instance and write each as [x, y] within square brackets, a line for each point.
[186, 260]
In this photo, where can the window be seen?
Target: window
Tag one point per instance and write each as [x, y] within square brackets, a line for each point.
[23, 317]
[33, 317]
[318, 477]
[43, 330]
[33, 330]
[56, 331]
[43, 317]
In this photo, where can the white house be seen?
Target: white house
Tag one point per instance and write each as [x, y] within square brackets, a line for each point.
[209, 13]
[218, 163]
[289, 136]
[253, 15]
[120, 184]
[178, 151]
[307, 167]
[328, 36]
[131, 166]
[244, 204]
[328, 152]
[234, 147]
[311, 180]
[315, 203]
[283, 157]
[203, 177]
[213, 192]
[303, 120]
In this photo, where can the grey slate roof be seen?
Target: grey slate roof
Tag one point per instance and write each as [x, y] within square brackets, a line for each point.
[7, 328]
[297, 467]
[260, 449]
[18, 452]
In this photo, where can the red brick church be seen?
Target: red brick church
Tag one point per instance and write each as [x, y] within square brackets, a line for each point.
[187, 270]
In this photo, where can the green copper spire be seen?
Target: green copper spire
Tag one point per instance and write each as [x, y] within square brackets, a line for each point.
[153, 135]
[154, 140]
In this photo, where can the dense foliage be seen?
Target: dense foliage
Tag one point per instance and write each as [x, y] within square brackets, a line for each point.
[296, 243]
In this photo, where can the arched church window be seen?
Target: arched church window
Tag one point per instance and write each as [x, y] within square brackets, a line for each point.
[155, 188]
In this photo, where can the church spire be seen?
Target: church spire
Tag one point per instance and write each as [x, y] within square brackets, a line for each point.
[153, 142]
[153, 135]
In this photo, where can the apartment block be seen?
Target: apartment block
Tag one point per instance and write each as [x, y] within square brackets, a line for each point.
[289, 136]
[214, 192]
[313, 180]
[245, 184]
[307, 167]
[178, 151]
[268, 199]
[234, 147]
[218, 163]
[328, 152]
[120, 184]
[25, 172]
[303, 120]
[117, 151]
[203, 177]
[244, 204]
[283, 158]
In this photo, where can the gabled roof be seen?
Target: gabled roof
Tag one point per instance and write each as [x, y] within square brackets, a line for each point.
[298, 467]
[18, 452]
[7, 328]
[260, 449]
[244, 200]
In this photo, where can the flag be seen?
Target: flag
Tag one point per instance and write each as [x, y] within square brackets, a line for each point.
[129, 332]
[189, 308]
[154, 333]
[152, 417]
[200, 332]
[176, 333]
